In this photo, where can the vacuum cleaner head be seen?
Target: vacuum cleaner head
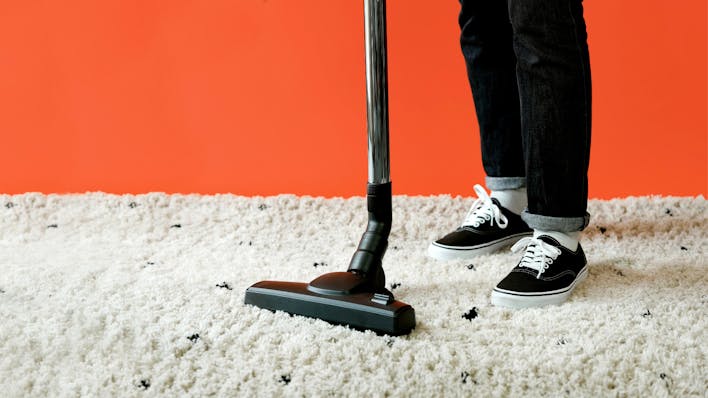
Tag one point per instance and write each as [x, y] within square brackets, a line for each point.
[378, 312]
[357, 298]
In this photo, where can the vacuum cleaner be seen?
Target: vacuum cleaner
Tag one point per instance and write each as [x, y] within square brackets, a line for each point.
[358, 297]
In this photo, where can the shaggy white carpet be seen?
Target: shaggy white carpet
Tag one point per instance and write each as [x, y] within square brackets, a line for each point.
[142, 295]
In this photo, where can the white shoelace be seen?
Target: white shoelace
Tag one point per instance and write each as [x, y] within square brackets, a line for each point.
[483, 209]
[539, 255]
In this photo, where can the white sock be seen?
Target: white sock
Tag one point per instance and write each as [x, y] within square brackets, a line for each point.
[568, 239]
[515, 200]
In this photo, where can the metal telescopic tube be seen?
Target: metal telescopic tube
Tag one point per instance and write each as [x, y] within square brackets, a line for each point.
[377, 90]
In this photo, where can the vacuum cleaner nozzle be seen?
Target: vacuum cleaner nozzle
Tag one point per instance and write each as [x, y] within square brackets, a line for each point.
[358, 297]
[378, 312]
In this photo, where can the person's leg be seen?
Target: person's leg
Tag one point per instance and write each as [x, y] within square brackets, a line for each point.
[553, 72]
[487, 46]
[493, 221]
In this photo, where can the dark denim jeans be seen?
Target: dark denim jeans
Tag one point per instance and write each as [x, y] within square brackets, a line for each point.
[528, 66]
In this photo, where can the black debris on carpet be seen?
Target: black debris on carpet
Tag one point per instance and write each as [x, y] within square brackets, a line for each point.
[561, 341]
[395, 285]
[666, 378]
[9, 205]
[471, 314]
[262, 206]
[225, 285]
[668, 211]
[144, 384]
[320, 264]
[684, 248]
[602, 229]
[242, 242]
[285, 379]
[52, 226]
[193, 338]
[647, 314]
[176, 226]
[470, 266]
[132, 205]
[465, 376]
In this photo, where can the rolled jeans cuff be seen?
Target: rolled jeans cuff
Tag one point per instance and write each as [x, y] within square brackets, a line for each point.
[561, 224]
[503, 183]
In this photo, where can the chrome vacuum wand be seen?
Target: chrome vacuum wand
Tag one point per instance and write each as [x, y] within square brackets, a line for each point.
[377, 91]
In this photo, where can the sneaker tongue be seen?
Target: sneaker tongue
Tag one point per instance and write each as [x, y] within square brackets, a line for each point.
[499, 205]
[549, 240]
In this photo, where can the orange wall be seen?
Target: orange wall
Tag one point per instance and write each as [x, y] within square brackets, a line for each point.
[262, 97]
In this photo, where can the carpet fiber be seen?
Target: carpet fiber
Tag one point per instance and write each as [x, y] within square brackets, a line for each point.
[142, 295]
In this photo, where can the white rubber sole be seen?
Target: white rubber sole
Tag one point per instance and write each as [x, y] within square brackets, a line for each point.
[447, 253]
[516, 300]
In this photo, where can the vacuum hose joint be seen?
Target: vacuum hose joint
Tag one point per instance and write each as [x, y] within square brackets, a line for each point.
[372, 247]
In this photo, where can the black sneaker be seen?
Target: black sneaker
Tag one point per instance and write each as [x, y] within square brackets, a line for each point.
[487, 228]
[546, 275]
